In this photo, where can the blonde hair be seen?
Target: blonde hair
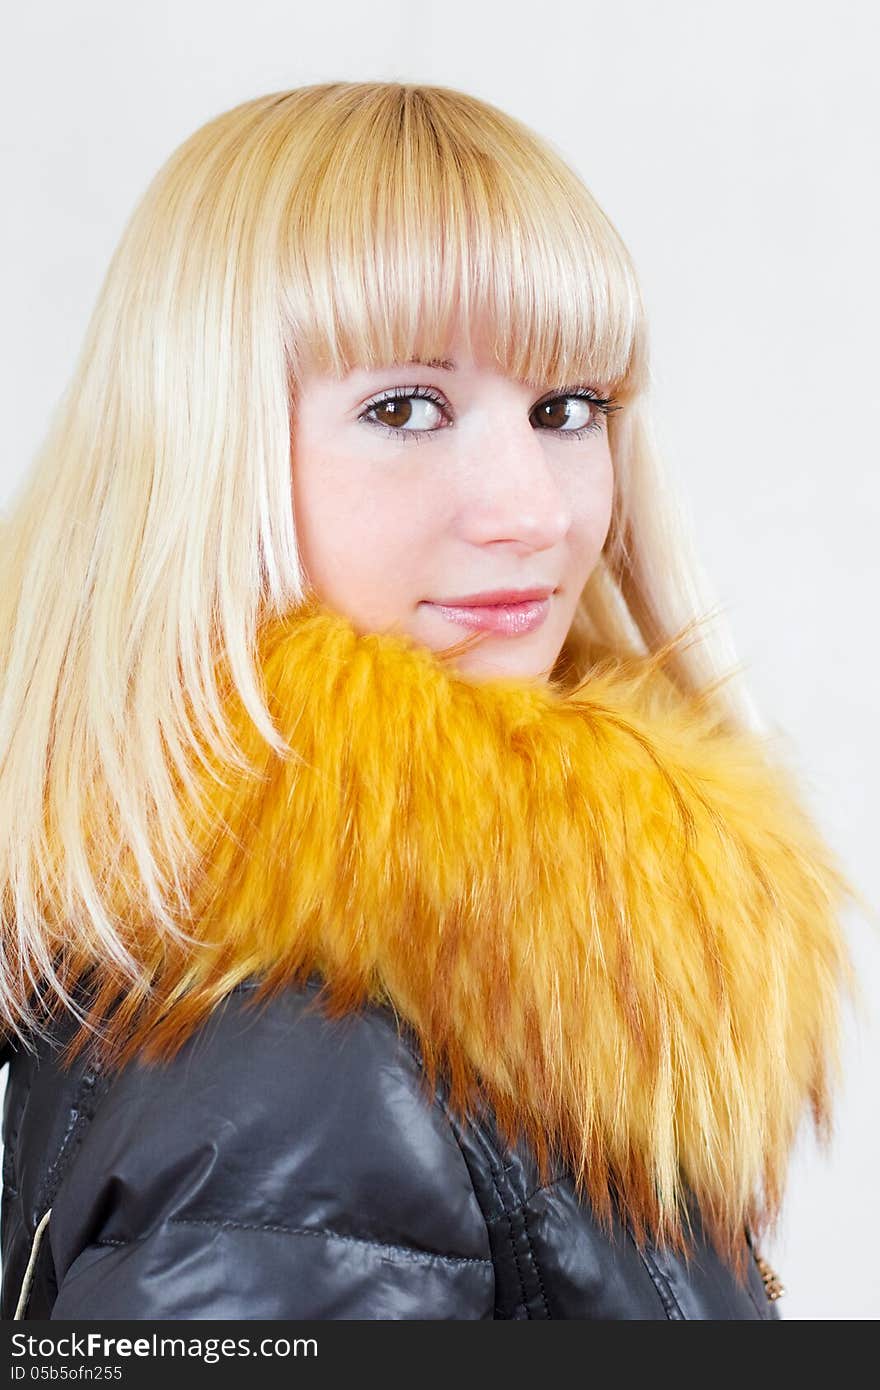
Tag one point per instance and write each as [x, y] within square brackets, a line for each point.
[342, 224]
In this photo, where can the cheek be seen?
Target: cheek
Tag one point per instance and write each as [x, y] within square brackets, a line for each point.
[591, 505]
[363, 534]
[328, 518]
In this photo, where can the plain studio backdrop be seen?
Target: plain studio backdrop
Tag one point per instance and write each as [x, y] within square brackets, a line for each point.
[734, 147]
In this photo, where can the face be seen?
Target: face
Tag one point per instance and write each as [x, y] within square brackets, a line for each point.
[415, 486]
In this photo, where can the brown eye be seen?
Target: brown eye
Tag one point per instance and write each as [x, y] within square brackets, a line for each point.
[405, 410]
[393, 412]
[565, 413]
[409, 414]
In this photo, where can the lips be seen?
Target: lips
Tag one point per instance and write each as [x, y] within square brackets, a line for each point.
[508, 619]
[487, 598]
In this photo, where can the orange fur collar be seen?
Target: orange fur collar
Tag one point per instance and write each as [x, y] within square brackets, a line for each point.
[599, 909]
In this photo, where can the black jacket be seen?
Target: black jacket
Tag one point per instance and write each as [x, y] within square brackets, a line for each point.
[286, 1164]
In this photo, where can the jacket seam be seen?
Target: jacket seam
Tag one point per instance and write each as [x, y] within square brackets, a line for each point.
[441, 1102]
[671, 1306]
[524, 1202]
[517, 1210]
[90, 1091]
[535, 1261]
[401, 1251]
[507, 1213]
[73, 1116]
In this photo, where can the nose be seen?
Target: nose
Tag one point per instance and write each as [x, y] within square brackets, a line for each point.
[511, 492]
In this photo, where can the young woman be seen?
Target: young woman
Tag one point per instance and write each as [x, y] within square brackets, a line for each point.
[405, 913]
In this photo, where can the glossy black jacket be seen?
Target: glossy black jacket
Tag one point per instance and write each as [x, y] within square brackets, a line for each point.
[289, 1165]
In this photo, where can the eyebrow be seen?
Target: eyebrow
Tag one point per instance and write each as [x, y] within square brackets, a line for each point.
[442, 362]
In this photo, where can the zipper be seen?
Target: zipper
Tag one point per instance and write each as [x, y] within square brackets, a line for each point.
[93, 1086]
[28, 1279]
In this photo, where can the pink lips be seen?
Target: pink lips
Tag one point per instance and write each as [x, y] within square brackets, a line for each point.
[507, 611]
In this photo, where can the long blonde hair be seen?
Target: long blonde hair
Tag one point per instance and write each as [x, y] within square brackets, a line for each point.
[343, 224]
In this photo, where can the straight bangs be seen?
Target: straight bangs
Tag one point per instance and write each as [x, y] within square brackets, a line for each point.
[419, 211]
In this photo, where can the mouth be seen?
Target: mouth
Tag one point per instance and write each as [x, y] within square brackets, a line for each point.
[509, 619]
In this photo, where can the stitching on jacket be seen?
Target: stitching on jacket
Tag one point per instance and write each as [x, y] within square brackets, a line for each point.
[671, 1306]
[403, 1251]
[91, 1090]
[490, 1158]
[72, 1117]
[537, 1267]
[520, 1210]
[453, 1128]
[535, 1192]
[507, 1213]
[441, 1100]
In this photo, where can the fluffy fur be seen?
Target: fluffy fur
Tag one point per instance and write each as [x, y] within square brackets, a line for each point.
[600, 911]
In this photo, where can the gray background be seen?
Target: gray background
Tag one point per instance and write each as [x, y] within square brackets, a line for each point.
[734, 147]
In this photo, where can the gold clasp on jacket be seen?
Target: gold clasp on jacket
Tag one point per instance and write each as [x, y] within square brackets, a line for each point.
[772, 1284]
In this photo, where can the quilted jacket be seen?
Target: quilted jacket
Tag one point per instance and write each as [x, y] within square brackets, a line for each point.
[287, 1165]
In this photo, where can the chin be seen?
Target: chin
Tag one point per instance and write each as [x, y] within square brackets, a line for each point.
[488, 665]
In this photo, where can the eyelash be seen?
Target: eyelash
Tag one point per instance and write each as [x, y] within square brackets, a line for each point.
[604, 405]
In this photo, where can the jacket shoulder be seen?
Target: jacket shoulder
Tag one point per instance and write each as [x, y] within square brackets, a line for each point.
[301, 1148]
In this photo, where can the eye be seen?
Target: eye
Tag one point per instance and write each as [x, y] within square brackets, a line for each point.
[407, 412]
[574, 413]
